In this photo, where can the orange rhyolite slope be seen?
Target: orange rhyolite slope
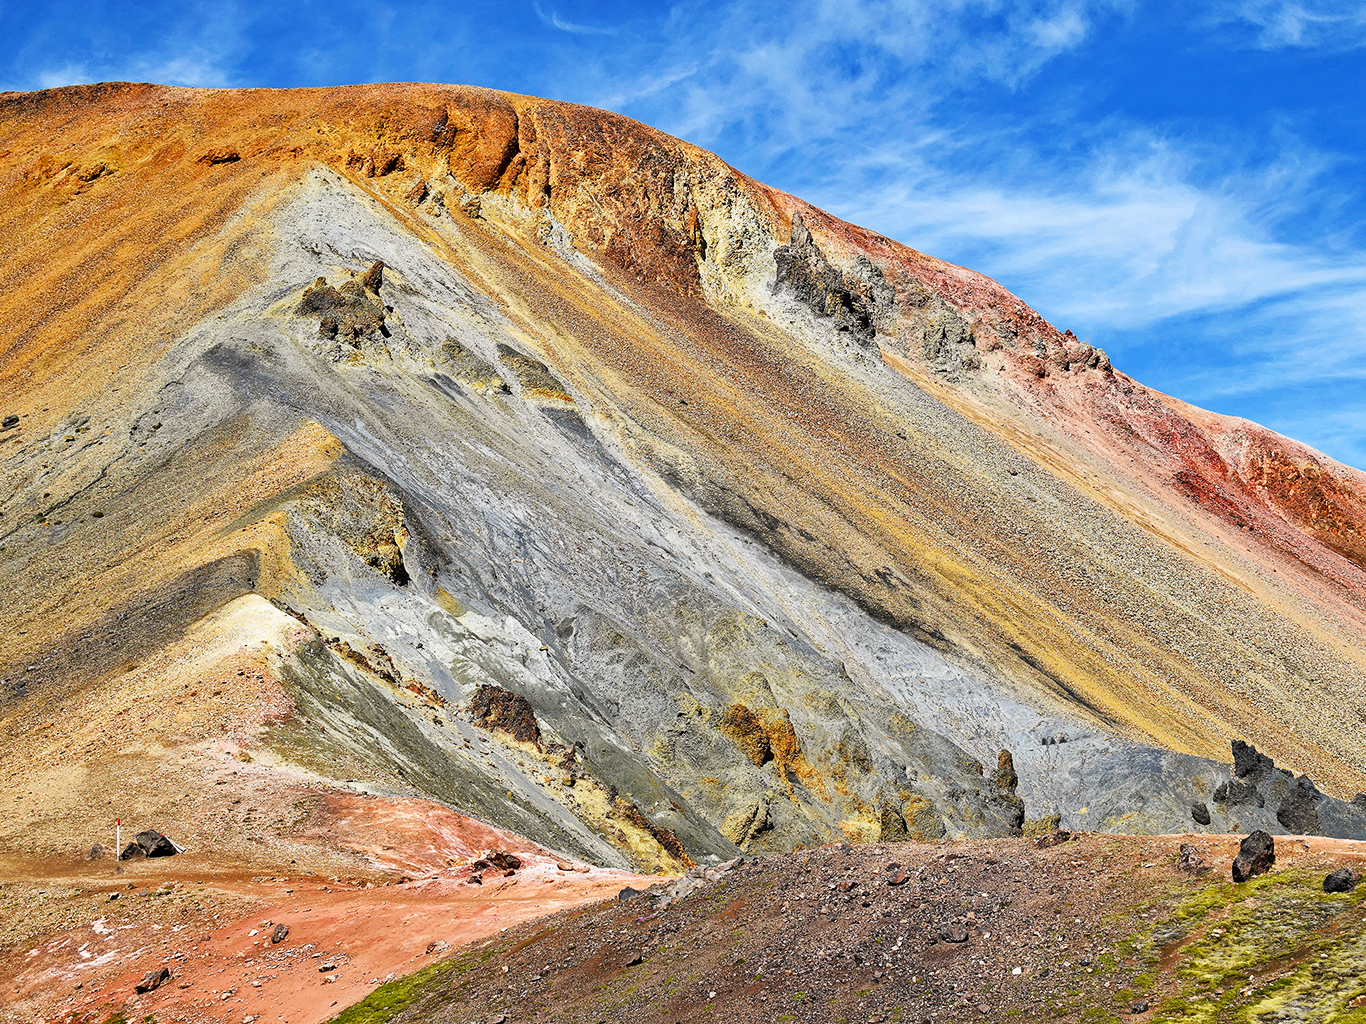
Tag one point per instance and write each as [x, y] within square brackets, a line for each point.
[897, 429]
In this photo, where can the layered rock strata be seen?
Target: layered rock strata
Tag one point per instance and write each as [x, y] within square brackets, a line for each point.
[775, 530]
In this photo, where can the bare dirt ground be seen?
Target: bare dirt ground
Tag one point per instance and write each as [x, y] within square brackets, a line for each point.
[990, 930]
[1094, 929]
[79, 937]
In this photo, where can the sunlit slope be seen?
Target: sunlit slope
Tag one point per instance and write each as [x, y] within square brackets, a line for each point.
[776, 481]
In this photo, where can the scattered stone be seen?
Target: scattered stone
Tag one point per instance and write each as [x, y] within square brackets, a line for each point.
[477, 878]
[805, 272]
[635, 960]
[1200, 813]
[10, 422]
[148, 844]
[891, 825]
[1256, 855]
[1139, 1007]
[1190, 861]
[628, 893]
[953, 933]
[497, 860]
[152, 980]
[1007, 779]
[1342, 880]
[535, 378]
[350, 310]
[279, 935]
[898, 878]
[1042, 826]
[377, 163]
[154, 844]
[1054, 838]
[1006, 776]
[97, 852]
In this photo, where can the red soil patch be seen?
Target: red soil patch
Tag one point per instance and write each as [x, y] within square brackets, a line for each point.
[346, 937]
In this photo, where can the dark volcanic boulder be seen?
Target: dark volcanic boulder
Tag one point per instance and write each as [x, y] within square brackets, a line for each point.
[1342, 880]
[132, 852]
[152, 980]
[154, 844]
[1200, 813]
[279, 935]
[500, 859]
[1256, 854]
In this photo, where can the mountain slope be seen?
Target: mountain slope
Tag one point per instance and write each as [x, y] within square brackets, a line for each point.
[543, 464]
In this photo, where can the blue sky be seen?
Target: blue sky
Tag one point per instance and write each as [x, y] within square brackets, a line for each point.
[1179, 183]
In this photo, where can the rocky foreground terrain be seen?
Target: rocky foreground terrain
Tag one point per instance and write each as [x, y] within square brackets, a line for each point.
[1056, 927]
[424, 446]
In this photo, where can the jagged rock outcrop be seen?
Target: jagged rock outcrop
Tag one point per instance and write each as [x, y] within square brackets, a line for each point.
[850, 301]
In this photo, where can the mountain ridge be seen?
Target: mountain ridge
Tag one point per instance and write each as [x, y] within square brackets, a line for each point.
[826, 481]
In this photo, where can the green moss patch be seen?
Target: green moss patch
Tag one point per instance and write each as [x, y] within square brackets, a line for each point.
[1275, 949]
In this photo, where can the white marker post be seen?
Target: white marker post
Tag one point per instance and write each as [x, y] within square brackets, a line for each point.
[118, 845]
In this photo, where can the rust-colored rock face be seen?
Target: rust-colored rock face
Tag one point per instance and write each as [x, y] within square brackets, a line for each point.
[731, 523]
[496, 708]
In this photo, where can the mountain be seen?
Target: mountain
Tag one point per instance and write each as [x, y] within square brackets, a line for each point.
[434, 442]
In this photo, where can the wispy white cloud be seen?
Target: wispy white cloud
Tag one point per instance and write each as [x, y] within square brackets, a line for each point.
[1131, 237]
[1321, 24]
[553, 20]
[1188, 278]
[201, 49]
[65, 74]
